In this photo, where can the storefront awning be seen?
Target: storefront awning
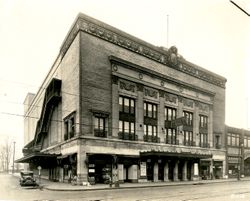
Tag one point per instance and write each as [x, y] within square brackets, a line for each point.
[176, 154]
[35, 157]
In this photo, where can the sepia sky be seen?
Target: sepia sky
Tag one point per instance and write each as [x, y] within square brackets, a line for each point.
[213, 34]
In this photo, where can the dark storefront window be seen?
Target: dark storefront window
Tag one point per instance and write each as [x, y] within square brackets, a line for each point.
[127, 118]
[150, 122]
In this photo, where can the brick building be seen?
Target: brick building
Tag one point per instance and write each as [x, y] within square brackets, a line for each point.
[238, 152]
[114, 103]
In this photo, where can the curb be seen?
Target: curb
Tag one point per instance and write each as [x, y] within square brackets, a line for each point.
[47, 187]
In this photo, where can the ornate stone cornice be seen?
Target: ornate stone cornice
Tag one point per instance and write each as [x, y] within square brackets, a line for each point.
[169, 58]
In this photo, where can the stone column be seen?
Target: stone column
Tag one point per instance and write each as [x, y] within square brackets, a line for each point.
[211, 169]
[120, 173]
[176, 171]
[192, 171]
[115, 107]
[161, 119]
[82, 166]
[166, 169]
[196, 172]
[156, 172]
[184, 171]
[133, 173]
[139, 112]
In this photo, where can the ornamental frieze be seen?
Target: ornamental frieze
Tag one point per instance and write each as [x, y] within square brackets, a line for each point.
[169, 58]
[128, 86]
[151, 93]
[203, 107]
[188, 102]
[170, 98]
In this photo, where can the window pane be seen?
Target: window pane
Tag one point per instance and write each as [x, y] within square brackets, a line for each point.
[145, 109]
[132, 127]
[101, 123]
[165, 112]
[233, 141]
[169, 114]
[174, 114]
[120, 104]
[145, 129]
[132, 106]
[150, 110]
[126, 105]
[154, 111]
[149, 130]
[126, 126]
[96, 123]
[120, 126]
[154, 130]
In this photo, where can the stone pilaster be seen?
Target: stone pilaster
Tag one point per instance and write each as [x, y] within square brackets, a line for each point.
[161, 120]
[176, 167]
[184, 171]
[115, 107]
[156, 171]
[166, 169]
[139, 112]
[210, 127]
[196, 121]
[82, 166]
[180, 134]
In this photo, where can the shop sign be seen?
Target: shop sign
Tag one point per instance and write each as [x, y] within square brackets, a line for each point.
[91, 170]
[91, 165]
[143, 167]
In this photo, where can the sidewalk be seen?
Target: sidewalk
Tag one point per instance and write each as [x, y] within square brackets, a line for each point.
[58, 186]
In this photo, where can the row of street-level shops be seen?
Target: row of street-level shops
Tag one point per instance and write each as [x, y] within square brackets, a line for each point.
[106, 168]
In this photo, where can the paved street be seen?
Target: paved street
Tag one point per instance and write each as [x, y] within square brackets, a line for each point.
[10, 190]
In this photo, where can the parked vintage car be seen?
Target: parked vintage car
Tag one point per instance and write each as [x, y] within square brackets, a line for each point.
[27, 178]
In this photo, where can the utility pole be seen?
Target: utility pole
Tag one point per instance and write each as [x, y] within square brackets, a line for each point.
[13, 157]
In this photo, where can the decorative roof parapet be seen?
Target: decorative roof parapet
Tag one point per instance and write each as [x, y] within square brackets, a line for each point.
[169, 58]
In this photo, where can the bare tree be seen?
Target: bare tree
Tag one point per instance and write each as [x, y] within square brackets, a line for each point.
[5, 154]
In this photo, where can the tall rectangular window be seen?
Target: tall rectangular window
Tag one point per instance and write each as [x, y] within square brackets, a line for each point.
[150, 122]
[127, 118]
[69, 126]
[203, 121]
[170, 114]
[203, 140]
[170, 129]
[189, 118]
[150, 110]
[171, 137]
[189, 138]
[100, 126]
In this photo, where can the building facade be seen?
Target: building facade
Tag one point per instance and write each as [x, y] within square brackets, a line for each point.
[238, 152]
[116, 108]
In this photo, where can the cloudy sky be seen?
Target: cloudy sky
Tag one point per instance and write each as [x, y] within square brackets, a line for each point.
[213, 34]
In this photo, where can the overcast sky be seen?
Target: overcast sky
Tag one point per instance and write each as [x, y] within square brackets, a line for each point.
[213, 34]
